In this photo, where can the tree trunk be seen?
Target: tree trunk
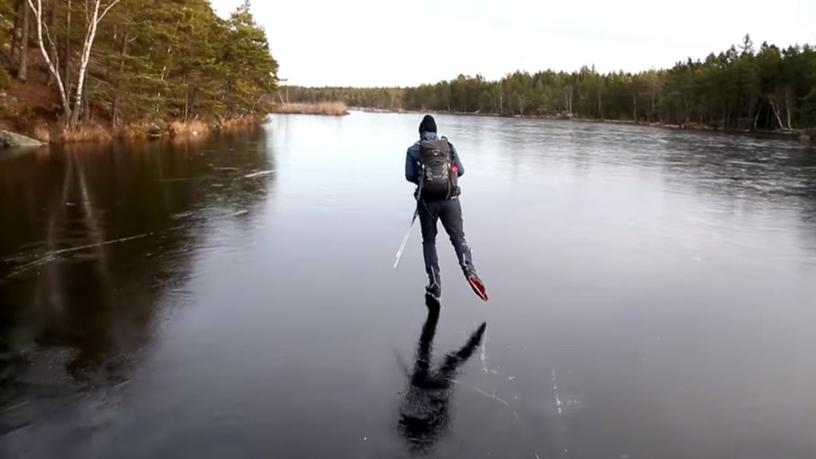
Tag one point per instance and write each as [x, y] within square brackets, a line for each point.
[67, 57]
[38, 18]
[661, 118]
[568, 99]
[600, 106]
[776, 113]
[22, 70]
[90, 36]
[186, 98]
[86, 111]
[15, 31]
[788, 108]
[115, 118]
[52, 21]
[192, 102]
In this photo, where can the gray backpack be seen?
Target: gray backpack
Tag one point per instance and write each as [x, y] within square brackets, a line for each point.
[439, 178]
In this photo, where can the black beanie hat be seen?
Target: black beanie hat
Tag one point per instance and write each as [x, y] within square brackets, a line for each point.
[428, 124]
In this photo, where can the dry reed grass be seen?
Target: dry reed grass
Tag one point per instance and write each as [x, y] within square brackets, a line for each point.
[87, 133]
[103, 132]
[135, 131]
[42, 133]
[319, 108]
[241, 122]
[189, 128]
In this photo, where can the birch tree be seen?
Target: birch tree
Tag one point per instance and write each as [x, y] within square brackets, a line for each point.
[95, 12]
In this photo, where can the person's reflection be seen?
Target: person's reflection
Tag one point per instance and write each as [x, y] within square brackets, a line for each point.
[424, 413]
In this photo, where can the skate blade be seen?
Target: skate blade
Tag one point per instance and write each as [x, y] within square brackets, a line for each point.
[478, 288]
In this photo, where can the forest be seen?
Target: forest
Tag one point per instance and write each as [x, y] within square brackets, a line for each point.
[744, 87]
[125, 61]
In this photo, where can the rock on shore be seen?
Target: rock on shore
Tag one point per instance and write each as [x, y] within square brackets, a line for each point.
[12, 140]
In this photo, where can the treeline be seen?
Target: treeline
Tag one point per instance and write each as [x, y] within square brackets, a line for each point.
[740, 88]
[130, 60]
[379, 98]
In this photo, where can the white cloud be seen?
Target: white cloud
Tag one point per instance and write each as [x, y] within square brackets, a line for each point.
[370, 42]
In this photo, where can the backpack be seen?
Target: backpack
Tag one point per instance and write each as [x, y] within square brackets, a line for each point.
[439, 179]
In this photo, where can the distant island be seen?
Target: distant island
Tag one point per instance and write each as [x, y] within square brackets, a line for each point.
[740, 89]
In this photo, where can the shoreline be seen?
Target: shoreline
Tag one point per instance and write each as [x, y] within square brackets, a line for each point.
[44, 131]
[200, 129]
[805, 136]
[31, 109]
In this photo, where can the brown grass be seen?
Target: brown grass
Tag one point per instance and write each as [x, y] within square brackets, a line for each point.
[87, 133]
[104, 132]
[41, 133]
[134, 131]
[242, 122]
[319, 108]
[189, 128]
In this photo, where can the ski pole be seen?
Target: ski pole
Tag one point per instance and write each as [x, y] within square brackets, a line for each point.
[405, 238]
[413, 220]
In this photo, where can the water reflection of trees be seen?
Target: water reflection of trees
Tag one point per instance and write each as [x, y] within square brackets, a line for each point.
[90, 310]
[746, 169]
[739, 165]
[742, 169]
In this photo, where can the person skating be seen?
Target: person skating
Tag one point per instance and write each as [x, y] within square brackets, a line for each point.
[434, 165]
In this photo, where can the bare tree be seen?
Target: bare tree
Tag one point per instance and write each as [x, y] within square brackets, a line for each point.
[67, 56]
[94, 18]
[95, 13]
[42, 30]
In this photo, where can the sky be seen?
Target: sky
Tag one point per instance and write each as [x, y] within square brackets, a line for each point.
[406, 43]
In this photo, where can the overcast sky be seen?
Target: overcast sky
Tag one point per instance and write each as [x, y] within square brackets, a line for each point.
[397, 43]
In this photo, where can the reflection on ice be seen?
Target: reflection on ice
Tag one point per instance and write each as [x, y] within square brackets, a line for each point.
[424, 413]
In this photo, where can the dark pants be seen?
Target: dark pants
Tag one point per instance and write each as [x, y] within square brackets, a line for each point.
[450, 212]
